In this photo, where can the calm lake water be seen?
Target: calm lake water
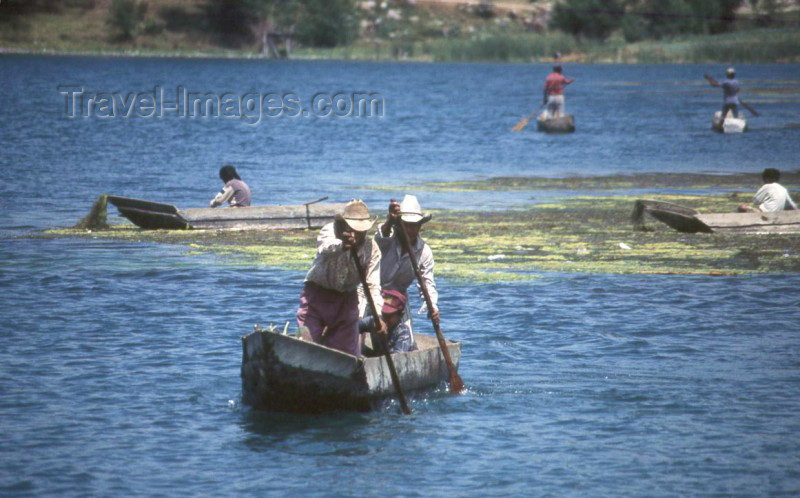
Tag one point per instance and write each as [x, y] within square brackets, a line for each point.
[119, 361]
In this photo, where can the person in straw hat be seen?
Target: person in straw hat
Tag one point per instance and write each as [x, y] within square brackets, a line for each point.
[332, 299]
[397, 273]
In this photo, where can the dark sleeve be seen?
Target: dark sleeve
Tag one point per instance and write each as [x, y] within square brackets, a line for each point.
[365, 324]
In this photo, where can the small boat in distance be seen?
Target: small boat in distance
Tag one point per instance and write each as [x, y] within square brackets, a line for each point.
[730, 124]
[156, 215]
[560, 124]
[286, 373]
[688, 220]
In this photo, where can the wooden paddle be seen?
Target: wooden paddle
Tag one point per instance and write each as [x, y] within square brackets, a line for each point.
[456, 384]
[522, 124]
[377, 319]
[744, 104]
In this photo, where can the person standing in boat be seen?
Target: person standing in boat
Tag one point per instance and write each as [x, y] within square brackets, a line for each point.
[333, 299]
[554, 92]
[397, 272]
[235, 192]
[730, 92]
[772, 196]
[400, 339]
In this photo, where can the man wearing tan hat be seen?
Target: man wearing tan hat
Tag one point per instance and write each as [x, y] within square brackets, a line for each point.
[397, 272]
[332, 299]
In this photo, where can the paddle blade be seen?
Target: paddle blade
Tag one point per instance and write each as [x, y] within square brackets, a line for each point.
[456, 384]
[522, 124]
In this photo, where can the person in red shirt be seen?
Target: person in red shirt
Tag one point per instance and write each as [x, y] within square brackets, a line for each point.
[554, 91]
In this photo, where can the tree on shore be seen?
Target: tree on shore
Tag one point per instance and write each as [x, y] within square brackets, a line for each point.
[640, 19]
[272, 22]
[127, 16]
[590, 18]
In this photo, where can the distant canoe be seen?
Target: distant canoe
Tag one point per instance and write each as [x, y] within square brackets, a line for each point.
[729, 124]
[688, 220]
[561, 124]
[155, 215]
[286, 373]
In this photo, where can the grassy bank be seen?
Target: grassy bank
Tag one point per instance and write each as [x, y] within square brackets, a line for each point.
[589, 232]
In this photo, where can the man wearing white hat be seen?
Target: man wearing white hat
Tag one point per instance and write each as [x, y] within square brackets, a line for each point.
[397, 272]
[332, 299]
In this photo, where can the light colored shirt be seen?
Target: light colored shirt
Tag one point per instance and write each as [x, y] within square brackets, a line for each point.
[773, 197]
[397, 273]
[236, 192]
[335, 269]
[730, 91]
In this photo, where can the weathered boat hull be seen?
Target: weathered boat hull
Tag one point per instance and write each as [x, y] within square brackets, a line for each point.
[285, 373]
[154, 215]
[561, 124]
[680, 218]
[688, 220]
[729, 124]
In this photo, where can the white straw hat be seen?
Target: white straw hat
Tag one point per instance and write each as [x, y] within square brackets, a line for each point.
[411, 212]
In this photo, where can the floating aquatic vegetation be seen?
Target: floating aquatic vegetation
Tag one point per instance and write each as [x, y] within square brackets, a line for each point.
[580, 233]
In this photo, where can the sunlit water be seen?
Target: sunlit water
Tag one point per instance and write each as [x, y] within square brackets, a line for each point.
[119, 361]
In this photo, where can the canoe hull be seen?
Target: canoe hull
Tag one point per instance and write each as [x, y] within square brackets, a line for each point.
[688, 220]
[154, 216]
[729, 124]
[561, 124]
[285, 373]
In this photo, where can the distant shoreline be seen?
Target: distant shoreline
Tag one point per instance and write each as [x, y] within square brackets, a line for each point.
[310, 58]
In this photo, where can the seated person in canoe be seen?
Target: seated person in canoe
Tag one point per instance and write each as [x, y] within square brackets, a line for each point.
[772, 196]
[235, 191]
[399, 337]
[333, 299]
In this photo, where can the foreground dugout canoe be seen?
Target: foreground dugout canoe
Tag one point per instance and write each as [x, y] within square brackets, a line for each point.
[155, 215]
[689, 220]
[285, 373]
[729, 124]
[561, 124]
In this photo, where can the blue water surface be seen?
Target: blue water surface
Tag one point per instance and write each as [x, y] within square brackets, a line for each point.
[119, 361]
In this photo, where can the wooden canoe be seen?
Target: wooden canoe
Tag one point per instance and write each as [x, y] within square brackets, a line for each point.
[729, 124]
[155, 215]
[285, 373]
[561, 124]
[688, 220]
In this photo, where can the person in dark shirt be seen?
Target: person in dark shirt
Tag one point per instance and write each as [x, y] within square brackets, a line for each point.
[399, 336]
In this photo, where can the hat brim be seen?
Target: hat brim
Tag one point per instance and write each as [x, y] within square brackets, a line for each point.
[416, 218]
[360, 225]
[391, 309]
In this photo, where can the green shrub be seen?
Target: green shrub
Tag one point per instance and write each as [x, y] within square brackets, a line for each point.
[127, 16]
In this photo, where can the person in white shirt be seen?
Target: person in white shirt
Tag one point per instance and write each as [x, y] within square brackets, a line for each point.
[397, 272]
[772, 196]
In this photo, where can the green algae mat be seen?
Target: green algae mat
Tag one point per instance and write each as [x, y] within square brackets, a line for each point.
[589, 232]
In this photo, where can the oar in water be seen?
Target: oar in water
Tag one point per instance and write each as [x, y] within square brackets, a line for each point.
[522, 124]
[384, 344]
[456, 384]
[749, 108]
[744, 104]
